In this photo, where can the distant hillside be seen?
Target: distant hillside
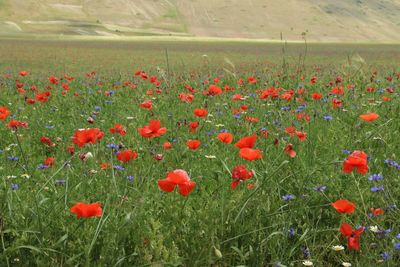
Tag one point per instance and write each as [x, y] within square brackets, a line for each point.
[322, 20]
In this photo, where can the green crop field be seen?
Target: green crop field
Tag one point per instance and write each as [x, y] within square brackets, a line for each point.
[188, 153]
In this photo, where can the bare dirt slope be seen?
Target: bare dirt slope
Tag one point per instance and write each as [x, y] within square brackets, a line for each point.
[322, 20]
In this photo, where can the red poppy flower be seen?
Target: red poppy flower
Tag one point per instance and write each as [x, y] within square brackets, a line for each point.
[226, 138]
[213, 90]
[43, 97]
[316, 96]
[337, 90]
[15, 124]
[193, 126]
[49, 161]
[53, 80]
[289, 150]
[200, 112]
[147, 105]
[30, 101]
[344, 206]
[237, 97]
[240, 173]
[301, 135]
[153, 129]
[313, 80]
[270, 92]
[178, 178]
[87, 210]
[353, 237]
[250, 154]
[4, 112]
[357, 159]
[126, 155]
[105, 166]
[83, 137]
[167, 145]
[369, 116]
[186, 97]
[118, 128]
[65, 87]
[47, 141]
[71, 150]
[23, 73]
[252, 80]
[193, 144]
[287, 95]
[251, 119]
[291, 130]
[336, 103]
[247, 142]
[377, 212]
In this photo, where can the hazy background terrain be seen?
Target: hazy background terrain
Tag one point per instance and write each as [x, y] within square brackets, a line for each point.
[327, 21]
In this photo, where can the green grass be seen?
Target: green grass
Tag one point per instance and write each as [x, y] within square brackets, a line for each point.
[214, 225]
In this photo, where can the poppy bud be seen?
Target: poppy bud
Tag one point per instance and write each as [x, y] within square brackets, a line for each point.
[90, 120]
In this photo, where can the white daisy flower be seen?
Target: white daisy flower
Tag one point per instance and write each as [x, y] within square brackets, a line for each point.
[374, 229]
[338, 248]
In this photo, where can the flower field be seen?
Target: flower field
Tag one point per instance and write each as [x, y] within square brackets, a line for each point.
[198, 158]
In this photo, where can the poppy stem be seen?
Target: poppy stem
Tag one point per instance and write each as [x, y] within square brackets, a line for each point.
[113, 174]
[25, 167]
[361, 195]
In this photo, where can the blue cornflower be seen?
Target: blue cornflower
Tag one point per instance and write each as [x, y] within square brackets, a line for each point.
[291, 232]
[119, 168]
[345, 151]
[398, 236]
[306, 252]
[14, 186]
[397, 246]
[237, 116]
[13, 158]
[285, 108]
[377, 188]
[50, 126]
[320, 188]
[130, 178]
[375, 177]
[385, 255]
[288, 197]
[97, 108]
[328, 118]
[42, 166]
[112, 146]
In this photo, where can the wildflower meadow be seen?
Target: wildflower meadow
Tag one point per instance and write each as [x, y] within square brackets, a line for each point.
[185, 155]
